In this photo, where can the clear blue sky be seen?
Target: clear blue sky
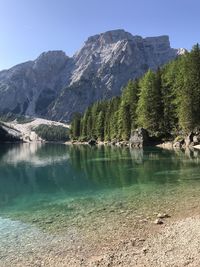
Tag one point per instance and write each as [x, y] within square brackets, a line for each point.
[29, 27]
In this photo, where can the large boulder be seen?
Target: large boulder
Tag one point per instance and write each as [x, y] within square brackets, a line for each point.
[139, 138]
[177, 144]
[196, 138]
[92, 142]
[189, 139]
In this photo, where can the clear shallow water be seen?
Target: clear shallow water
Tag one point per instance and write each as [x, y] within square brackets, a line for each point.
[57, 199]
[55, 186]
[35, 176]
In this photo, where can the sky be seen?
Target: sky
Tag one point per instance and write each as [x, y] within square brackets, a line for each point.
[30, 27]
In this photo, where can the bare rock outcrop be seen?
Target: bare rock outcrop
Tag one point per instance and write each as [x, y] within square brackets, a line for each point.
[139, 138]
[55, 86]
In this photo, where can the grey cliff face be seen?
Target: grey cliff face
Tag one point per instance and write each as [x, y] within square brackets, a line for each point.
[30, 87]
[56, 86]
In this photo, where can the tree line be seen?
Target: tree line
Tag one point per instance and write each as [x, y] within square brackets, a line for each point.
[52, 132]
[165, 102]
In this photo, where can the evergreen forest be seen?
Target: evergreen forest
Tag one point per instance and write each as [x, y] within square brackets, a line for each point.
[166, 102]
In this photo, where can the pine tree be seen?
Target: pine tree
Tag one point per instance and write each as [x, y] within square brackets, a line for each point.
[76, 126]
[127, 110]
[133, 96]
[124, 120]
[188, 91]
[149, 104]
[170, 72]
[114, 127]
[100, 126]
[194, 82]
[85, 124]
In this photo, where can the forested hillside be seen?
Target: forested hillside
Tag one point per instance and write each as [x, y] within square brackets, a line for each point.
[52, 133]
[163, 102]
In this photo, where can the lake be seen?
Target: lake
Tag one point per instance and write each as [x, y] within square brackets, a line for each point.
[57, 197]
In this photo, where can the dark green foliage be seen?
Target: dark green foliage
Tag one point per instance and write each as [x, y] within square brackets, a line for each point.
[169, 77]
[150, 104]
[100, 125]
[76, 126]
[127, 110]
[164, 102]
[52, 132]
[188, 91]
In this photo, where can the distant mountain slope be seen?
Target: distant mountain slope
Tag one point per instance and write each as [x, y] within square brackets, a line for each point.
[55, 86]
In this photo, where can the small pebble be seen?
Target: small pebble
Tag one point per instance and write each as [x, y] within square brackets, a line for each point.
[162, 215]
[158, 221]
[144, 250]
[49, 222]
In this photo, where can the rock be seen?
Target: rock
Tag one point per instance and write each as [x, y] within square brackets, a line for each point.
[32, 86]
[141, 240]
[113, 142]
[196, 139]
[133, 242]
[56, 86]
[189, 139]
[35, 220]
[181, 51]
[49, 222]
[162, 215]
[158, 221]
[118, 144]
[92, 142]
[145, 250]
[139, 138]
[177, 144]
[143, 221]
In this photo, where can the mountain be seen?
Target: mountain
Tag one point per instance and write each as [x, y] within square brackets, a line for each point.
[55, 86]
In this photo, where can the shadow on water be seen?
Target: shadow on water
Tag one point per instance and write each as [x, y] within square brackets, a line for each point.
[31, 172]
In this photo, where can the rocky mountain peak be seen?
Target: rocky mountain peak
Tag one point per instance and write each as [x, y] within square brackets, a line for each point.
[118, 47]
[51, 59]
[158, 39]
[181, 51]
[110, 37]
[55, 85]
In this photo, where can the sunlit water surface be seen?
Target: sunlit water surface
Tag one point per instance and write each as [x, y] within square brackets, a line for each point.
[51, 188]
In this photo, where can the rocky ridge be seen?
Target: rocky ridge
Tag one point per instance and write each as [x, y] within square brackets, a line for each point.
[55, 86]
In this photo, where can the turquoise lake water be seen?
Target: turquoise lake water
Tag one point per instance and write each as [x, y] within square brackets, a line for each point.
[36, 176]
[53, 194]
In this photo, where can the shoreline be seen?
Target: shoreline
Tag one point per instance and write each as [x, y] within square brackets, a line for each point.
[141, 244]
[118, 235]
